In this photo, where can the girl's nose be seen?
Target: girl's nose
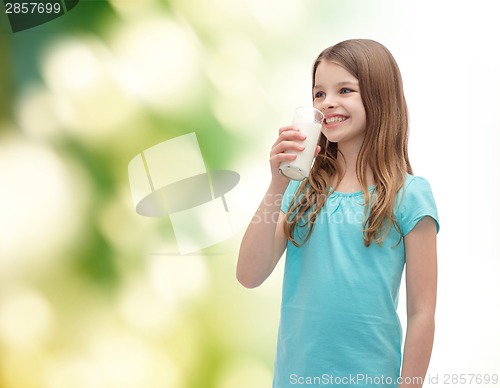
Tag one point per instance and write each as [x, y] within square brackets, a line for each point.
[328, 103]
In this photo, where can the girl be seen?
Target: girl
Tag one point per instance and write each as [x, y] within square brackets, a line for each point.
[349, 229]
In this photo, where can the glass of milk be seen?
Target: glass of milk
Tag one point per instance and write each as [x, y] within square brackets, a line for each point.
[309, 121]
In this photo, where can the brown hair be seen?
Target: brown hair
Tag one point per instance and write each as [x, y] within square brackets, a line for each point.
[384, 150]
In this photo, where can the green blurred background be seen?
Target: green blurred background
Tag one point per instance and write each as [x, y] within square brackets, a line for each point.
[92, 295]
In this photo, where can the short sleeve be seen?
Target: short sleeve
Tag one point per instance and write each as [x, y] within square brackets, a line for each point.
[417, 202]
[288, 195]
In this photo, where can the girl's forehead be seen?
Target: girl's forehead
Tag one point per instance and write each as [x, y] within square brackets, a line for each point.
[333, 72]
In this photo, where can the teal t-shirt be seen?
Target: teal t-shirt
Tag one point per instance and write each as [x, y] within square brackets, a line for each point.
[339, 324]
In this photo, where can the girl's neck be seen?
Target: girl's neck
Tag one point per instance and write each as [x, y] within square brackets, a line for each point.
[347, 158]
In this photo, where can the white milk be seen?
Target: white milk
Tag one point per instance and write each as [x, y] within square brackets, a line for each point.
[299, 168]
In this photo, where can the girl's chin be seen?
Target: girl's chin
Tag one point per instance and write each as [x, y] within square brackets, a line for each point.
[332, 138]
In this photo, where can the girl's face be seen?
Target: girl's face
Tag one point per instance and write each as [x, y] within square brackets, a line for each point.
[336, 94]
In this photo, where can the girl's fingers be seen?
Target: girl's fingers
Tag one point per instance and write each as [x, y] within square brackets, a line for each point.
[287, 128]
[278, 158]
[284, 146]
[291, 135]
[289, 139]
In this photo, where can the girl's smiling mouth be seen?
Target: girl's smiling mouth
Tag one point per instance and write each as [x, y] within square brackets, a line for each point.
[335, 119]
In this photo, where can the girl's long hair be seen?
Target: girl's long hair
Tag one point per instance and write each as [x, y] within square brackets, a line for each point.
[384, 149]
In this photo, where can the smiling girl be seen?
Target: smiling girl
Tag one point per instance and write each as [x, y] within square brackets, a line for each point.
[349, 230]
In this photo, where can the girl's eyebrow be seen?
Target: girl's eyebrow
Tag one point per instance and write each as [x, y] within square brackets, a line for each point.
[352, 83]
[339, 84]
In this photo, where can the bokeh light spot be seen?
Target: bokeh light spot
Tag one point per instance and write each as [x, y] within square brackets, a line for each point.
[26, 319]
[161, 56]
[41, 204]
[82, 75]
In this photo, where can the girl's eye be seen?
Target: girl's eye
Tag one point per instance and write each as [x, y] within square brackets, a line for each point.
[345, 90]
[319, 94]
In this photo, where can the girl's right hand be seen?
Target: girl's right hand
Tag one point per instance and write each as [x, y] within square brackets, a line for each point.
[288, 140]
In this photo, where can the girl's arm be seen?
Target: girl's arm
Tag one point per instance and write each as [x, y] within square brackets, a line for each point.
[264, 241]
[421, 286]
